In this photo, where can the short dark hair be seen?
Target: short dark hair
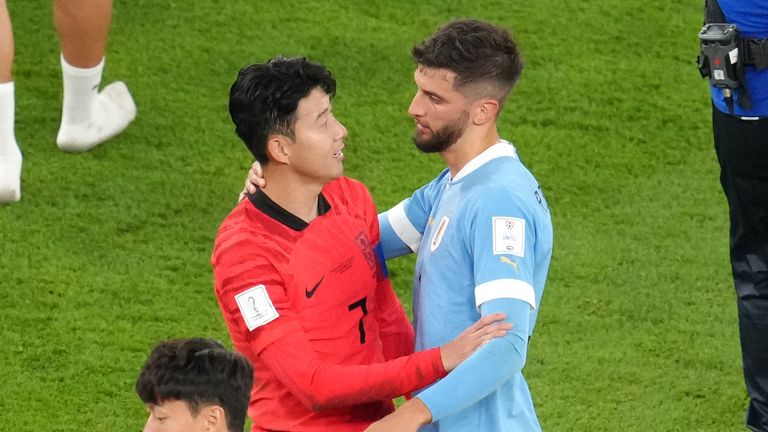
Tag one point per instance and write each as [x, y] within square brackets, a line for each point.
[264, 98]
[478, 53]
[199, 372]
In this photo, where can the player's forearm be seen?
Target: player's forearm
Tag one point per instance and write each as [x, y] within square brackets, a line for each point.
[487, 369]
[477, 377]
[397, 344]
[408, 418]
[415, 412]
[345, 385]
[319, 385]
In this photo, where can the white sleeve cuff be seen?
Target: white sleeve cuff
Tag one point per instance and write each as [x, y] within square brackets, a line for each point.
[403, 227]
[505, 288]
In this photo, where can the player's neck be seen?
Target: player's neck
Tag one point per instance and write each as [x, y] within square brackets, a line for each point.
[470, 145]
[295, 194]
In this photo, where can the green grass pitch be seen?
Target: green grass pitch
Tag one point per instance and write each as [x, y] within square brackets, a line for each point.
[107, 252]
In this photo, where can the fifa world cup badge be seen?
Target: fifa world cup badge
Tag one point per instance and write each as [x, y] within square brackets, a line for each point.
[508, 236]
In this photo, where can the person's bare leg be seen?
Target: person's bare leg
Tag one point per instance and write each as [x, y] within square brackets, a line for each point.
[83, 28]
[89, 117]
[6, 44]
[10, 156]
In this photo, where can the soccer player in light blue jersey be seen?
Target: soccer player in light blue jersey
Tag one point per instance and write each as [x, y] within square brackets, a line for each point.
[482, 231]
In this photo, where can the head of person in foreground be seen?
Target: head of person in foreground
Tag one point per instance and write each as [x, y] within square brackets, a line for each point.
[195, 385]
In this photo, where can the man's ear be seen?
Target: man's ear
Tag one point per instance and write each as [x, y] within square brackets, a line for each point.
[214, 418]
[485, 110]
[279, 148]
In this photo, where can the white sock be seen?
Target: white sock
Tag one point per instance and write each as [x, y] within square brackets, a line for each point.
[81, 86]
[10, 156]
[90, 117]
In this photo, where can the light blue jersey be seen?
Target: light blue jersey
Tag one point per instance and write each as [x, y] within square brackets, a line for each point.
[484, 242]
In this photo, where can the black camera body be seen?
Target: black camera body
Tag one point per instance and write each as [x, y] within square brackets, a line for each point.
[719, 54]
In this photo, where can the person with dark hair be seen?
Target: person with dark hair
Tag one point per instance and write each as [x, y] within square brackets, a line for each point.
[195, 385]
[299, 273]
[482, 230]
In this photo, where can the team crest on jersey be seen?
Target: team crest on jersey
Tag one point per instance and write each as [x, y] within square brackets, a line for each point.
[364, 243]
[439, 232]
[256, 307]
[508, 236]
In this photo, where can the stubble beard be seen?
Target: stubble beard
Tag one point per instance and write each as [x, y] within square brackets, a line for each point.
[443, 138]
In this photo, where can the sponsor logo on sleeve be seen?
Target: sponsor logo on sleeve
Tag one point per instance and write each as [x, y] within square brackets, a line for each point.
[508, 236]
[256, 307]
[506, 260]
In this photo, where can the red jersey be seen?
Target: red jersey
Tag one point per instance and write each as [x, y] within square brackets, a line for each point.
[312, 308]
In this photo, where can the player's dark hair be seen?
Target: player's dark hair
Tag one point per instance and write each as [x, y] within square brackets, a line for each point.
[199, 372]
[478, 52]
[264, 98]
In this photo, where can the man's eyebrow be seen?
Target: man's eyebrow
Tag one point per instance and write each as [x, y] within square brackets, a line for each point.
[322, 113]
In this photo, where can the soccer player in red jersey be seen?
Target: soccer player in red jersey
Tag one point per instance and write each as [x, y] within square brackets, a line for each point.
[299, 275]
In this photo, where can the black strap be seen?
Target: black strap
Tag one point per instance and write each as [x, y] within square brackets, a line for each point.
[755, 52]
[744, 100]
[712, 12]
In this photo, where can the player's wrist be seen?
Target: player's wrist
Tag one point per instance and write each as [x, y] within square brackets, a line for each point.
[446, 360]
[416, 411]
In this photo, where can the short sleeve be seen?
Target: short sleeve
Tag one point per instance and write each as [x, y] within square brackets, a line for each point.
[502, 237]
[403, 225]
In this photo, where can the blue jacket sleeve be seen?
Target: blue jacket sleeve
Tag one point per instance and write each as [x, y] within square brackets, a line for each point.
[490, 366]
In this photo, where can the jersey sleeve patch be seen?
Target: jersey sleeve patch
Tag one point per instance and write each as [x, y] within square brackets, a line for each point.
[509, 236]
[256, 307]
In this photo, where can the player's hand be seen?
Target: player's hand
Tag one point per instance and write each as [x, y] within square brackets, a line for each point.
[479, 333]
[408, 418]
[253, 181]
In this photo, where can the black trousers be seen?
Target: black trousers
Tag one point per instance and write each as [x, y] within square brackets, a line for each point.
[742, 150]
